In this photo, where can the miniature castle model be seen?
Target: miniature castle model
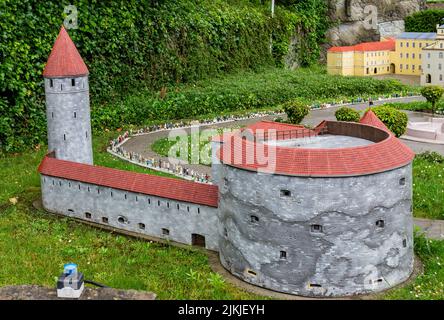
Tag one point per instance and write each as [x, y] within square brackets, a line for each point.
[330, 215]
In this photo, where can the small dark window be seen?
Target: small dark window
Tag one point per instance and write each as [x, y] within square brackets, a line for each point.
[168, 204]
[404, 243]
[61, 87]
[137, 199]
[53, 182]
[64, 137]
[254, 219]
[402, 182]
[149, 201]
[89, 190]
[86, 134]
[125, 197]
[60, 183]
[225, 232]
[73, 82]
[122, 219]
[158, 202]
[178, 207]
[316, 228]
[71, 210]
[87, 215]
[285, 193]
[75, 114]
[104, 219]
[69, 184]
[165, 232]
[283, 255]
[142, 226]
[251, 272]
[315, 285]
[79, 186]
[111, 194]
[198, 210]
[380, 223]
[188, 208]
[52, 114]
[51, 83]
[98, 191]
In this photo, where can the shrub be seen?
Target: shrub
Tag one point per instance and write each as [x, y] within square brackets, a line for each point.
[296, 111]
[347, 114]
[431, 156]
[424, 21]
[433, 94]
[395, 120]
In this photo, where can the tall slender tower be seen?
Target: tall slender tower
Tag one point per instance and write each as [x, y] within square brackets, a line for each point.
[67, 102]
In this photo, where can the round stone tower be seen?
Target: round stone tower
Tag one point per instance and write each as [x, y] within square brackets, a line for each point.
[67, 102]
[329, 214]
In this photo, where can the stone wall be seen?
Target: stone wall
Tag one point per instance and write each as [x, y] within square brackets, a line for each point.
[141, 213]
[317, 236]
[69, 120]
[353, 20]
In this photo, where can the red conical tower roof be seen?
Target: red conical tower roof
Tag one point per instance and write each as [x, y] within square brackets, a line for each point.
[64, 60]
[372, 119]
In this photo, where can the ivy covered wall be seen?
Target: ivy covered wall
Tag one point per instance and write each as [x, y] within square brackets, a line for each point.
[129, 45]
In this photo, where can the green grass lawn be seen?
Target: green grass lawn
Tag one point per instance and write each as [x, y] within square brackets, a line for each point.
[34, 245]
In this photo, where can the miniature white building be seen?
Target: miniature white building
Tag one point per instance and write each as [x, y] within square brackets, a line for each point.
[433, 60]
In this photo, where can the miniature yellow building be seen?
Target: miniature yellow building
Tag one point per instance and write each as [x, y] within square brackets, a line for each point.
[407, 57]
[364, 59]
[411, 53]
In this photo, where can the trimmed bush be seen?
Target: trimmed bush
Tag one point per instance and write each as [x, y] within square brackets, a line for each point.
[296, 111]
[395, 120]
[347, 114]
[432, 94]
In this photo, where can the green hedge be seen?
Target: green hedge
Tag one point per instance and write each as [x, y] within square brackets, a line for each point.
[246, 91]
[130, 45]
[394, 119]
[424, 21]
[347, 114]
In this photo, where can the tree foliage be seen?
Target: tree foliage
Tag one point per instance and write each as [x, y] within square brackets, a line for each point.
[296, 111]
[130, 45]
[395, 120]
[433, 94]
[347, 114]
[424, 21]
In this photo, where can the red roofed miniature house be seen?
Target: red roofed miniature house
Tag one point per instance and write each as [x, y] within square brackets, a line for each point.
[313, 212]
[364, 59]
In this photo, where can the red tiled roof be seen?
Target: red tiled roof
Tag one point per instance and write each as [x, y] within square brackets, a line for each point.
[278, 126]
[389, 44]
[64, 60]
[390, 153]
[371, 119]
[169, 188]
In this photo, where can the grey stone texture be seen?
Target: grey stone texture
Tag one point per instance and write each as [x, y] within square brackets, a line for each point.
[351, 15]
[329, 237]
[68, 118]
[130, 211]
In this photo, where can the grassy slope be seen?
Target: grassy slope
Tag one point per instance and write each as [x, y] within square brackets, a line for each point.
[34, 245]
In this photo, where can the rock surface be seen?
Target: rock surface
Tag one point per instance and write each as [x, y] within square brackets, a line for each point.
[355, 22]
[33, 292]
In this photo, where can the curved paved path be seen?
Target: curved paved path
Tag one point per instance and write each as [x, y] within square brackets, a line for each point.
[433, 229]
